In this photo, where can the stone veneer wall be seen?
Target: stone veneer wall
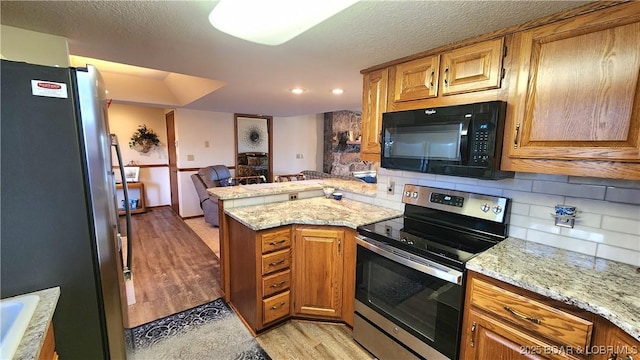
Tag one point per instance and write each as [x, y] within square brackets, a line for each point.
[341, 154]
[608, 223]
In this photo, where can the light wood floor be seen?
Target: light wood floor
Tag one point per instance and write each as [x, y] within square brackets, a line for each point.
[173, 270]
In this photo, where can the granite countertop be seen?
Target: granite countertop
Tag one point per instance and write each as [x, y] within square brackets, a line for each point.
[33, 337]
[603, 287]
[244, 191]
[313, 211]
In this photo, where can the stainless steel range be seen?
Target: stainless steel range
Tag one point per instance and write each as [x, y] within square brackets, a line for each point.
[410, 271]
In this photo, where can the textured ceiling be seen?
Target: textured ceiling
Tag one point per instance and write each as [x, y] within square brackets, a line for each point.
[175, 36]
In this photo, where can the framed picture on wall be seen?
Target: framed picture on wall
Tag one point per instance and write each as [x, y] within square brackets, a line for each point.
[131, 173]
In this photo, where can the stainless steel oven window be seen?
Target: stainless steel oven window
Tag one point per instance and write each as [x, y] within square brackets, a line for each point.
[422, 304]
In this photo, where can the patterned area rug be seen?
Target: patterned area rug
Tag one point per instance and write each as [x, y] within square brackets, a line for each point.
[209, 331]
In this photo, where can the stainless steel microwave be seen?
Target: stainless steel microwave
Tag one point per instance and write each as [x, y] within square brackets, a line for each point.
[461, 140]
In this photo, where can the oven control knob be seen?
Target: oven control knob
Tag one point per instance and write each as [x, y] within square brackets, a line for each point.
[497, 209]
[485, 207]
[407, 193]
[403, 240]
[410, 242]
[414, 194]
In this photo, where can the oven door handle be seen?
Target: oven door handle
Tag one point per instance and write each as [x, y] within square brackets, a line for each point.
[428, 267]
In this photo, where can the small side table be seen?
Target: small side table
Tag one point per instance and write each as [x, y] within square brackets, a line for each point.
[136, 186]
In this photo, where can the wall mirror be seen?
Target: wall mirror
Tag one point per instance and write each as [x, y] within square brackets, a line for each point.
[253, 146]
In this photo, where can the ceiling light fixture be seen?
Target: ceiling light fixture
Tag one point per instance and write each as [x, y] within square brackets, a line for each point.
[337, 91]
[272, 22]
[298, 91]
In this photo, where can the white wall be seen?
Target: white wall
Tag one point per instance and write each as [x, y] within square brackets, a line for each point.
[123, 121]
[33, 47]
[296, 135]
[193, 129]
[608, 224]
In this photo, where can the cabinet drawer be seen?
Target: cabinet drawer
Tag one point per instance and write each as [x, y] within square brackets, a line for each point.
[275, 307]
[277, 282]
[554, 324]
[275, 240]
[275, 261]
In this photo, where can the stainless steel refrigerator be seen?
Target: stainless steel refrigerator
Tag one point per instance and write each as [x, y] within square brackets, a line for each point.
[59, 218]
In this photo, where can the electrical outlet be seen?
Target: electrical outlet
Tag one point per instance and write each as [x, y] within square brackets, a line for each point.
[390, 187]
[206, 144]
[293, 196]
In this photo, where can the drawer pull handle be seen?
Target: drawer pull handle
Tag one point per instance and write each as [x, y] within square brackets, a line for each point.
[274, 243]
[276, 263]
[278, 284]
[274, 307]
[522, 316]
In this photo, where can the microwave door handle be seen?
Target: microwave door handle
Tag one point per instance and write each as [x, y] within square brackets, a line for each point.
[464, 141]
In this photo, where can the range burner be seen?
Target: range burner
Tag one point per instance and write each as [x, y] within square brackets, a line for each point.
[447, 226]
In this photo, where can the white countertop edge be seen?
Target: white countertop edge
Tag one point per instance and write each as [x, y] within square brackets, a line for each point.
[596, 306]
[33, 338]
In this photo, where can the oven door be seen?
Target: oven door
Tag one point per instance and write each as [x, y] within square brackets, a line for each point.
[424, 299]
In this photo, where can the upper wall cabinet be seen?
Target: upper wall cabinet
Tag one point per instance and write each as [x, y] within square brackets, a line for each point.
[427, 81]
[473, 68]
[417, 79]
[576, 96]
[374, 104]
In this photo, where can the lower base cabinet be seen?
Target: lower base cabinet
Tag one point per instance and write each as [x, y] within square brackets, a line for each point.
[294, 270]
[505, 322]
[48, 350]
[318, 264]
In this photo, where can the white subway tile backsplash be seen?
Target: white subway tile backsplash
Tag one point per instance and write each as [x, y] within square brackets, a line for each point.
[276, 198]
[606, 208]
[457, 180]
[479, 189]
[619, 254]
[563, 242]
[519, 208]
[566, 189]
[531, 198]
[606, 182]
[517, 232]
[544, 177]
[610, 228]
[510, 184]
[310, 194]
[627, 226]
[623, 195]
[534, 223]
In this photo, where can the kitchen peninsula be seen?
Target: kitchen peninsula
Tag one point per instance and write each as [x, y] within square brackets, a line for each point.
[231, 197]
[283, 257]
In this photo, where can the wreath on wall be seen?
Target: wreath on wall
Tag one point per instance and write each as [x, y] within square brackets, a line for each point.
[143, 139]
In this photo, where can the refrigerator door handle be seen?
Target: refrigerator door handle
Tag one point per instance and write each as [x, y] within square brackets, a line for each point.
[127, 209]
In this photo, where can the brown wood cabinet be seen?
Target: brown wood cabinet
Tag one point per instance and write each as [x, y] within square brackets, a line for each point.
[374, 104]
[48, 350]
[428, 81]
[576, 96]
[302, 270]
[319, 262]
[259, 274]
[505, 322]
[136, 190]
[473, 68]
[417, 79]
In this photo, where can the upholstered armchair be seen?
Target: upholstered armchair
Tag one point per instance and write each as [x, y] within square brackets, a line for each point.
[208, 177]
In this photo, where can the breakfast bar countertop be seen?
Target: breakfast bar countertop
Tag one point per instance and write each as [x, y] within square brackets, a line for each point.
[603, 287]
[33, 338]
[312, 211]
[244, 191]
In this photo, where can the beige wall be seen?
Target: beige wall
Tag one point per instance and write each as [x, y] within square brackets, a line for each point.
[33, 47]
[123, 121]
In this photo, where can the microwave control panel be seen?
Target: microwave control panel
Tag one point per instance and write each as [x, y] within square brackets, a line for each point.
[481, 144]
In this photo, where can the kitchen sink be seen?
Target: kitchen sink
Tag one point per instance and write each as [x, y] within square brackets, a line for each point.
[15, 315]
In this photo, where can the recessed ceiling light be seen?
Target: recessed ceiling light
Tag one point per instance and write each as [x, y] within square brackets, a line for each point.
[337, 91]
[272, 22]
[298, 90]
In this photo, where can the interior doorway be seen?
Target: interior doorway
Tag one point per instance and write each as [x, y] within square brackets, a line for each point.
[173, 166]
